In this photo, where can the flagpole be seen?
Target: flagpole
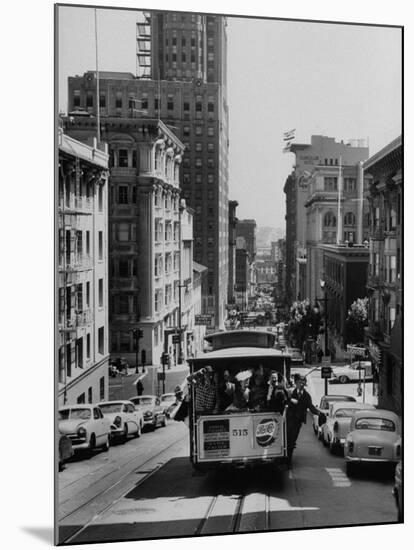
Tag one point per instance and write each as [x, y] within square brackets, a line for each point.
[98, 114]
[339, 221]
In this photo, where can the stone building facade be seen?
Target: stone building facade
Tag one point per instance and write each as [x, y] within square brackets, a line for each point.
[144, 232]
[82, 257]
[384, 286]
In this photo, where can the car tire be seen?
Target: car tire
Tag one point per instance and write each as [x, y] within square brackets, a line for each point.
[92, 445]
[138, 432]
[125, 434]
[106, 444]
[350, 469]
[343, 379]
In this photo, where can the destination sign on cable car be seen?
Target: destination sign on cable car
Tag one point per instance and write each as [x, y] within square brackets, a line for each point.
[245, 338]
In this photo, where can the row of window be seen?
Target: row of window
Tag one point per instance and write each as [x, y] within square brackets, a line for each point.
[74, 354]
[387, 266]
[75, 246]
[199, 147]
[390, 216]
[141, 104]
[78, 196]
[171, 263]
[168, 233]
[166, 297]
[329, 219]
[330, 183]
[198, 178]
[198, 131]
[198, 162]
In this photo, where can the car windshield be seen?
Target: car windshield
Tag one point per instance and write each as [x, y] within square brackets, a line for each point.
[74, 414]
[345, 413]
[168, 397]
[382, 424]
[110, 407]
[144, 401]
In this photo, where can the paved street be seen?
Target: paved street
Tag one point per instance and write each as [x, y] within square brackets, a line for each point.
[146, 488]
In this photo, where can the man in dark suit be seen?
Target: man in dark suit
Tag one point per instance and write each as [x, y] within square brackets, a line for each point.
[300, 402]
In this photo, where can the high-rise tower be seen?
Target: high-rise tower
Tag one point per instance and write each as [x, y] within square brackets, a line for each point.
[188, 89]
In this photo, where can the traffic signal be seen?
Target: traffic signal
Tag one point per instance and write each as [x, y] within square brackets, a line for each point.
[165, 358]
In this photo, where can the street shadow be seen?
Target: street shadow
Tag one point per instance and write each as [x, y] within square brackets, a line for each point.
[45, 534]
[381, 472]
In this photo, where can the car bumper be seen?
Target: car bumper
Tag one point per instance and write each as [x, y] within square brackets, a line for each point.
[149, 421]
[79, 444]
[369, 460]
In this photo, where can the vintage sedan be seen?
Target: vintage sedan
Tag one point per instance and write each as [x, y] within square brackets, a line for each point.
[327, 400]
[86, 427]
[338, 423]
[168, 402]
[153, 412]
[124, 417]
[374, 437]
[352, 373]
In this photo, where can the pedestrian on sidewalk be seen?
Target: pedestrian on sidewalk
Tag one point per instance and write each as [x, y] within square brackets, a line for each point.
[140, 388]
[300, 402]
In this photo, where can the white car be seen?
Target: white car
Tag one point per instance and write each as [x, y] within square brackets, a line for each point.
[327, 400]
[374, 436]
[352, 373]
[168, 402]
[152, 410]
[124, 417]
[86, 426]
[338, 423]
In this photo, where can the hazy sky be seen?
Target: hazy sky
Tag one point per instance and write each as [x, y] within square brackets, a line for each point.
[343, 81]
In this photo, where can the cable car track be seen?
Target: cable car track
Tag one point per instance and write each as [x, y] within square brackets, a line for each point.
[140, 468]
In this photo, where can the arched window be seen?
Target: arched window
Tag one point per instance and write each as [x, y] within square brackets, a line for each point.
[349, 218]
[329, 220]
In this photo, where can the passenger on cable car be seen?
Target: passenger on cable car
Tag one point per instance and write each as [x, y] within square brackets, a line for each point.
[257, 390]
[226, 389]
[206, 390]
[277, 396]
[241, 392]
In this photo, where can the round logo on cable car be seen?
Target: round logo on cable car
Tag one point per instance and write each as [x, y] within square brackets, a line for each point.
[267, 431]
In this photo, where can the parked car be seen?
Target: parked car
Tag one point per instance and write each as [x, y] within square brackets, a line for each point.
[374, 437]
[352, 372]
[327, 400]
[65, 450]
[152, 410]
[338, 423]
[168, 402]
[296, 356]
[86, 426]
[124, 417]
[398, 491]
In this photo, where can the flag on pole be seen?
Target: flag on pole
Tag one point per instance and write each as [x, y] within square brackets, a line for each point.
[287, 136]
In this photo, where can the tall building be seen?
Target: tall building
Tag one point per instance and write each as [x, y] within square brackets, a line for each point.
[242, 286]
[186, 84]
[232, 250]
[384, 286]
[83, 271]
[247, 229]
[144, 223]
[314, 197]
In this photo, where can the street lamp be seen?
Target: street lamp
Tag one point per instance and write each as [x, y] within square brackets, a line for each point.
[138, 333]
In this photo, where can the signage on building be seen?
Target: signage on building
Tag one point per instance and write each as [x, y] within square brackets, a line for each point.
[204, 320]
[355, 349]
